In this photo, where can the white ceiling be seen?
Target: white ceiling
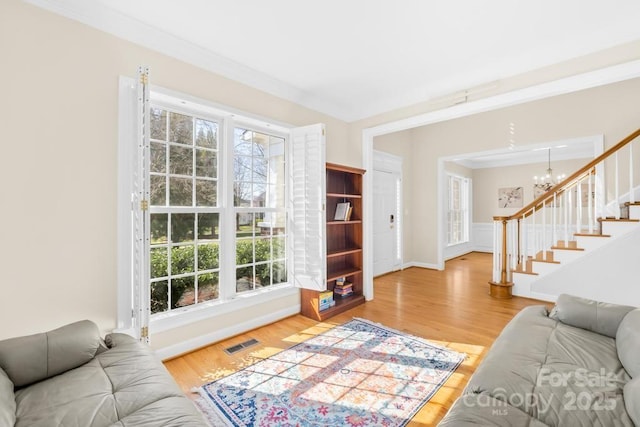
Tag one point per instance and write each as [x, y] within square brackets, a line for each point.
[352, 59]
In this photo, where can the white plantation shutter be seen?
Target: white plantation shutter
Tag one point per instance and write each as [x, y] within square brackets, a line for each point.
[140, 212]
[307, 207]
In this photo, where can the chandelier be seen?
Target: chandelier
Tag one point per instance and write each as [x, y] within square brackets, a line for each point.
[545, 182]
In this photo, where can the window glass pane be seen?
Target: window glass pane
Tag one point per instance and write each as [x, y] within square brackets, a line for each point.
[244, 224]
[263, 249]
[259, 194]
[263, 275]
[245, 280]
[158, 124]
[208, 285]
[158, 157]
[158, 190]
[279, 274]
[206, 163]
[180, 128]
[206, 192]
[180, 160]
[244, 251]
[159, 262]
[183, 291]
[159, 223]
[279, 247]
[242, 194]
[180, 191]
[182, 227]
[159, 296]
[208, 256]
[206, 133]
[208, 226]
[182, 259]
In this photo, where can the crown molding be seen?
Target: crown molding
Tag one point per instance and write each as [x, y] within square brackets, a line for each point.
[122, 26]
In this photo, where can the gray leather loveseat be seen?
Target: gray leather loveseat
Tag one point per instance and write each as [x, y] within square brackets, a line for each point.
[69, 377]
[576, 366]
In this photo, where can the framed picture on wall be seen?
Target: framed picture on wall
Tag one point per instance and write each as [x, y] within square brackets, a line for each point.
[510, 197]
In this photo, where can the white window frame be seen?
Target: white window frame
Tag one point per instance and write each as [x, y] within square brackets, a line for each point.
[228, 301]
[465, 203]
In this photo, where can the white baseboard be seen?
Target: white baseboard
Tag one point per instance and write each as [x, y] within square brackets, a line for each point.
[421, 265]
[219, 335]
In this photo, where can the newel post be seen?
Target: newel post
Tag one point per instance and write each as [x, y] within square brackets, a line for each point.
[501, 289]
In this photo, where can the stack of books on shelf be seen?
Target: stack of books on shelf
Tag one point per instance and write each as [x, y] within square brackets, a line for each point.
[325, 300]
[343, 288]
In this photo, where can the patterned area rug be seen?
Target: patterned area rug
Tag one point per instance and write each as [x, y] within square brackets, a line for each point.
[356, 374]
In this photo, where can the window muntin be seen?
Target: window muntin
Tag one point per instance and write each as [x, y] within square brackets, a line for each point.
[259, 207]
[184, 213]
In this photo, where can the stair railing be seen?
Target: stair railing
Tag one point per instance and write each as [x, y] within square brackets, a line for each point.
[573, 206]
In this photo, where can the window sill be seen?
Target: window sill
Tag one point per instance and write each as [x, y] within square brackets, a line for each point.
[166, 321]
[453, 245]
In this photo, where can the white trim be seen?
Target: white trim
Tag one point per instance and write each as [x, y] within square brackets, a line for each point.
[177, 318]
[421, 265]
[482, 236]
[189, 345]
[575, 83]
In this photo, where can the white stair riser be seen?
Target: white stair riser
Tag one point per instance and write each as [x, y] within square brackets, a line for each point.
[543, 268]
[615, 228]
[589, 243]
[566, 256]
[634, 212]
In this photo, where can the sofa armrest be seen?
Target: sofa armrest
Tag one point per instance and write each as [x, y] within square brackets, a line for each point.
[33, 358]
[117, 339]
[600, 317]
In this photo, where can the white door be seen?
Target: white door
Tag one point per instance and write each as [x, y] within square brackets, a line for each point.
[386, 253]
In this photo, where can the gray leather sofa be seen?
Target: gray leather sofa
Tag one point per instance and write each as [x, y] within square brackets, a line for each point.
[576, 366]
[70, 377]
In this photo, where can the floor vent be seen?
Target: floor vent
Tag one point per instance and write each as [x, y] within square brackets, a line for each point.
[236, 348]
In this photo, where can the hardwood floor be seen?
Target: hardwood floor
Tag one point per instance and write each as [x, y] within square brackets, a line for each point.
[450, 307]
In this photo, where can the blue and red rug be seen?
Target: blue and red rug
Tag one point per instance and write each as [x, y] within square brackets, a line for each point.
[356, 374]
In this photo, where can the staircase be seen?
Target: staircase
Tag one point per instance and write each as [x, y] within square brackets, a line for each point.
[574, 220]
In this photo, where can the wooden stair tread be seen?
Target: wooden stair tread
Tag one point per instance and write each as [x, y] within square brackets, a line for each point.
[563, 248]
[618, 220]
[516, 270]
[632, 204]
[592, 235]
[548, 261]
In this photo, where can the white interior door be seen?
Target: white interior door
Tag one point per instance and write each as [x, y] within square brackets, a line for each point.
[386, 253]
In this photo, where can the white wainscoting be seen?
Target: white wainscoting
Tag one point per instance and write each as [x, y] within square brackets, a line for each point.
[482, 236]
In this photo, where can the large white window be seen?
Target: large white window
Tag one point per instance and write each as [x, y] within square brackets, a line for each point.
[194, 204]
[209, 219]
[458, 218]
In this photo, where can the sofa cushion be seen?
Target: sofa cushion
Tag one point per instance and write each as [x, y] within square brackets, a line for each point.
[7, 401]
[602, 318]
[548, 369]
[34, 358]
[124, 386]
[628, 342]
[632, 399]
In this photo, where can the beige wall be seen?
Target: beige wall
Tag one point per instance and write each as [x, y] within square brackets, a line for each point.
[611, 110]
[486, 183]
[58, 168]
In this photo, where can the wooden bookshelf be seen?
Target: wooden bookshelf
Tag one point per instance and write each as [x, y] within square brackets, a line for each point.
[344, 242]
